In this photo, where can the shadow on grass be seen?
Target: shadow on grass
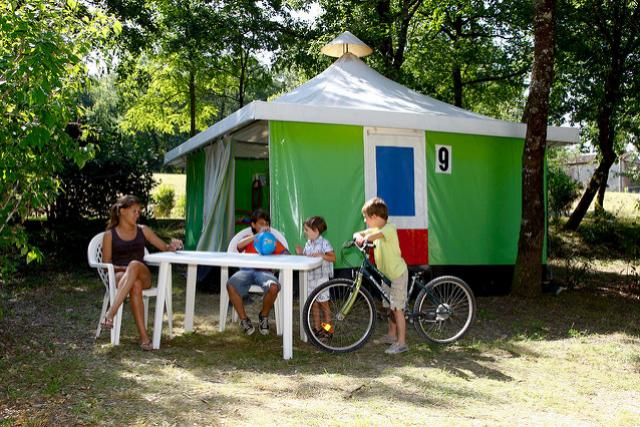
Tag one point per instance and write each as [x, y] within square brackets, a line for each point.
[53, 372]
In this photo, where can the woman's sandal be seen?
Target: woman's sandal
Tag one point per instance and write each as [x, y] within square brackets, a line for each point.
[106, 323]
[146, 346]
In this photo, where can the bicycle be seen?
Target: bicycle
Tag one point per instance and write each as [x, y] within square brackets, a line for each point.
[442, 313]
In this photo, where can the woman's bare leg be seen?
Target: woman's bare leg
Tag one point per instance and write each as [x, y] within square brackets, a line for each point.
[137, 308]
[136, 278]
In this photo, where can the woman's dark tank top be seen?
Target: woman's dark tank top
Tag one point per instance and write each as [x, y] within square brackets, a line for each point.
[125, 251]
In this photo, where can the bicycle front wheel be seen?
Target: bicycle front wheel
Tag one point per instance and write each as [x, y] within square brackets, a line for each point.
[346, 320]
[444, 310]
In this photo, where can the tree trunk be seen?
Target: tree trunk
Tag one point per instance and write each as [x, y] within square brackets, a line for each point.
[409, 9]
[457, 85]
[192, 102]
[383, 10]
[600, 175]
[606, 133]
[528, 270]
[457, 71]
[243, 71]
[601, 190]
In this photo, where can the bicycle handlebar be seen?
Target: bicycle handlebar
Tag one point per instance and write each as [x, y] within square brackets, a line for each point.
[352, 243]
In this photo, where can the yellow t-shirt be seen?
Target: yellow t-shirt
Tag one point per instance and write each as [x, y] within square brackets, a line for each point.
[387, 251]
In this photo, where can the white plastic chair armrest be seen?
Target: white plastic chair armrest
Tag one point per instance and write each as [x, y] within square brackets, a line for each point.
[108, 266]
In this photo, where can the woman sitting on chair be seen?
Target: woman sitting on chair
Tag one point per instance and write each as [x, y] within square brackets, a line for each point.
[123, 246]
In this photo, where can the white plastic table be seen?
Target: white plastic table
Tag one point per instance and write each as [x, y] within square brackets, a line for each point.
[224, 260]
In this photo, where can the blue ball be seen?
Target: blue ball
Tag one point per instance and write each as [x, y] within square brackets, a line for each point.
[265, 243]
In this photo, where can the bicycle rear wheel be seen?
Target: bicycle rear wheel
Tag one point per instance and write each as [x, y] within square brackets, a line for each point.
[444, 310]
[346, 332]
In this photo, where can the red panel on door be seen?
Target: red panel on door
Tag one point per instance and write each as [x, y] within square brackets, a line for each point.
[414, 245]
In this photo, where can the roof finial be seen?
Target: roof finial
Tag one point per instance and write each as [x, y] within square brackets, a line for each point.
[346, 42]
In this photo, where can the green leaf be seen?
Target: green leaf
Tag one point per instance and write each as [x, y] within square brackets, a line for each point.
[33, 255]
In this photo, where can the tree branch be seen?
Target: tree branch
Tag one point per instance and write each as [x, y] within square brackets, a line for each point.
[497, 78]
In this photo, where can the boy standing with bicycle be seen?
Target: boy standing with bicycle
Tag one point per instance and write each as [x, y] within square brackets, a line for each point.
[389, 261]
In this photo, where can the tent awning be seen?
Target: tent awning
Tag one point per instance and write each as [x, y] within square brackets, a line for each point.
[260, 110]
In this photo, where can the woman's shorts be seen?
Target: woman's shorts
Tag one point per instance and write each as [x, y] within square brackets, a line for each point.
[397, 293]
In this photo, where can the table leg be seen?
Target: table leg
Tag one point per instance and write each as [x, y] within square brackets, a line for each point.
[192, 273]
[224, 298]
[287, 327]
[163, 278]
[302, 292]
[169, 300]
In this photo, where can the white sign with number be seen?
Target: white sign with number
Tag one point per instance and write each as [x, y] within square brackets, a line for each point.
[443, 159]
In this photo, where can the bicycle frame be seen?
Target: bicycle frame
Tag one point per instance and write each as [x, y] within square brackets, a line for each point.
[354, 310]
[368, 271]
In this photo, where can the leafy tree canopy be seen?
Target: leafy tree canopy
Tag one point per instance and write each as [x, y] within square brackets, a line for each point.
[42, 44]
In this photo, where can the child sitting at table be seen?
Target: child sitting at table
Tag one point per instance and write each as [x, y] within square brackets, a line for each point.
[239, 284]
[318, 246]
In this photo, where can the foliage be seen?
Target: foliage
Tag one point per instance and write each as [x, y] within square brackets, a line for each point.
[163, 200]
[597, 83]
[577, 269]
[617, 237]
[563, 191]
[472, 54]
[122, 164]
[201, 66]
[181, 208]
[42, 44]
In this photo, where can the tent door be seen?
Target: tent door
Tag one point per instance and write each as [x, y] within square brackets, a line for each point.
[395, 170]
[251, 189]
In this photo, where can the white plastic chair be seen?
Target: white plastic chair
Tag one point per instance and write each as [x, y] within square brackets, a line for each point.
[106, 272]
[224, 294]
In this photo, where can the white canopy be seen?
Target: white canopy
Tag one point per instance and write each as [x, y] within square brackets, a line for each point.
[350, 83]
[350, 92]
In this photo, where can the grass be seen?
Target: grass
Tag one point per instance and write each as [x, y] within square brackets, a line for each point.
[562, 360]
[622, 205]
[566, 359]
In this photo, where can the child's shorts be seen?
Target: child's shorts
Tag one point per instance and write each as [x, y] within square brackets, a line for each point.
[312, 284]
[397, 293]
[244, 279]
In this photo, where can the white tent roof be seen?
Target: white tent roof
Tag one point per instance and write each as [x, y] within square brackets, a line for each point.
[350, 83]
[350, 92]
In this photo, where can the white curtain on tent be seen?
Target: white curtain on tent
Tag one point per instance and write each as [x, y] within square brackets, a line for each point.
[218, 201]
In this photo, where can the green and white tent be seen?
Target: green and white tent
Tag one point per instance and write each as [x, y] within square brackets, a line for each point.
[451, 177]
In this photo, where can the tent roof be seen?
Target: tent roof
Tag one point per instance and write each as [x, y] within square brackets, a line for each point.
[350, 83]
[350, 92]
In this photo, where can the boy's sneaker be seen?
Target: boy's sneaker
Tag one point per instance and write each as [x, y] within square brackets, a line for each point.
[247, 326]
[264, 324]
[397, 348]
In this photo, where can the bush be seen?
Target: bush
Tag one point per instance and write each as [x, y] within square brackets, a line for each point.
[89, 192]
[563, 191]
[163, 199]
[181, 208]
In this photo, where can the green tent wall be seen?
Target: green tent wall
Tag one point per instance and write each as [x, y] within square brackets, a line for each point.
[318, 169]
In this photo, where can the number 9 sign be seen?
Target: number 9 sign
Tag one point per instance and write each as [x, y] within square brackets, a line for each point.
[443, 159]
